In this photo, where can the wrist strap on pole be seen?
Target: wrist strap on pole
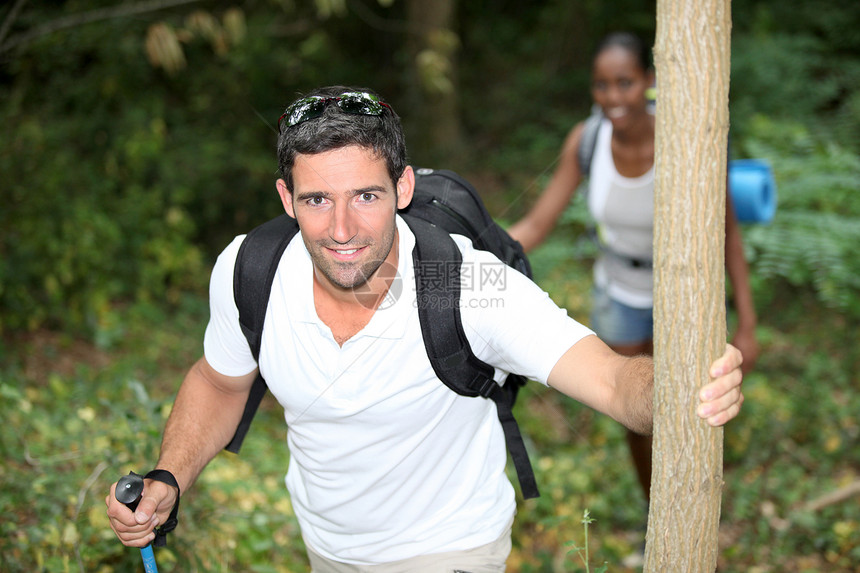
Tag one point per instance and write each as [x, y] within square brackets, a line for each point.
[165, 476]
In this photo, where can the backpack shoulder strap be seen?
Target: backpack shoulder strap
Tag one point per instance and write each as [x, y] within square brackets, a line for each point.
[255, 268]
[437, 261]
[588, 141]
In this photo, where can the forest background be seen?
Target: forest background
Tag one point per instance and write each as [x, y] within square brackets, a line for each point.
[138, 138]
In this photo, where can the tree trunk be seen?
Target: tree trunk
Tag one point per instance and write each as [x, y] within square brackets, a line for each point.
[692, 61]
[433, 46]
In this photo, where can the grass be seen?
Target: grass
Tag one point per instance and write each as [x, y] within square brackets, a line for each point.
[76, 416]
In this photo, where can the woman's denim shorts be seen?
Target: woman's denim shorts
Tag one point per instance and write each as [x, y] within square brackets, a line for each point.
[617, 324]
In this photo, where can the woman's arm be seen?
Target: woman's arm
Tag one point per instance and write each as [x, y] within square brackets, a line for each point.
[532, 229]
[738, 271]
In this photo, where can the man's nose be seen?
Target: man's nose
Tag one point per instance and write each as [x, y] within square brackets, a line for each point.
[344, 224]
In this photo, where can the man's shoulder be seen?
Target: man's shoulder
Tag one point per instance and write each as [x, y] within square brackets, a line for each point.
[230, 252]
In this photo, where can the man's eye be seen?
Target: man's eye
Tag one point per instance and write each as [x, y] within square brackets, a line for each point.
[367, 197]
[316, 200]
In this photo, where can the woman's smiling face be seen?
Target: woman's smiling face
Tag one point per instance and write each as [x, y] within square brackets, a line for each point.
[619, 84]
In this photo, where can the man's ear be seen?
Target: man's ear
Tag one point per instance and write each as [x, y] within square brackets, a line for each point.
[405, 187]
[286, 197]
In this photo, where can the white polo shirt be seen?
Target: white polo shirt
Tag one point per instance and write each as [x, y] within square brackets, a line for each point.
[386, 462]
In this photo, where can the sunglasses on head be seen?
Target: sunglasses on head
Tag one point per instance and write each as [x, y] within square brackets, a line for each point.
[356, 103]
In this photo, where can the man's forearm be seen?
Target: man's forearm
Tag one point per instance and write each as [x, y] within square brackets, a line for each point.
[635, 381]
[204, 418]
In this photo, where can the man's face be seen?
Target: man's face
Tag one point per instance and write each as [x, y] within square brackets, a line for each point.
[345, 202]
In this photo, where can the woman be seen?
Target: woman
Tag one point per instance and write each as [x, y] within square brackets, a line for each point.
[620, 199]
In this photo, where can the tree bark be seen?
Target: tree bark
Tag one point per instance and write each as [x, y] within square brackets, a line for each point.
[692, 61]
[433, 86]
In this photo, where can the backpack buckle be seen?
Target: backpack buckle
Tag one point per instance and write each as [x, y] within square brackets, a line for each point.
[485, 386]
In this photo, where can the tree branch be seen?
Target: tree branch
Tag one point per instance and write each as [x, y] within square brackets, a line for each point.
[367, 16]
[10, 18]
[85, 18]
[834, 497]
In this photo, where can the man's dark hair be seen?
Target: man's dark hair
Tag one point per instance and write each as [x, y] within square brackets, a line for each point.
[335, 129]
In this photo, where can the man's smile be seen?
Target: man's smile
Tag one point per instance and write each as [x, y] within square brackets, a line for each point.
[345, 254]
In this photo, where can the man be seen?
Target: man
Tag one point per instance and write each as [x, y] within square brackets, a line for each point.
[389, 469]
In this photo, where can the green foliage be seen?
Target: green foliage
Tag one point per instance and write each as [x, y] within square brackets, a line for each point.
[128, 167]
[812, 241]
[796, 442]
[70, 432]
[798, 62]
[64, 442]
[582, 551]
[75, 240]
[79, 434]
[136, 151]
[124, 174]
[774, 75]
[76, 419]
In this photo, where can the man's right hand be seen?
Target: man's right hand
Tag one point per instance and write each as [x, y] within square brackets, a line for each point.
[205, 415]
[137, 529]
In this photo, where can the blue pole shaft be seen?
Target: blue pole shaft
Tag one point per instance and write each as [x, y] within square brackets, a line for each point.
[148, 559]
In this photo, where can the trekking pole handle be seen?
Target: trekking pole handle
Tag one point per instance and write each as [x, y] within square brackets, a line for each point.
[129, 490]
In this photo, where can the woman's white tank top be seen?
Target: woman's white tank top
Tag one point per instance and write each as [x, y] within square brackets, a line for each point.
[623, 208]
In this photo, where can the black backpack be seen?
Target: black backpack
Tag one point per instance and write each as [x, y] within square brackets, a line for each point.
[443, 203]
[588, 141]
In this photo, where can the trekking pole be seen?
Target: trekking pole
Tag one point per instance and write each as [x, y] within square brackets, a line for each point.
[129, 490]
